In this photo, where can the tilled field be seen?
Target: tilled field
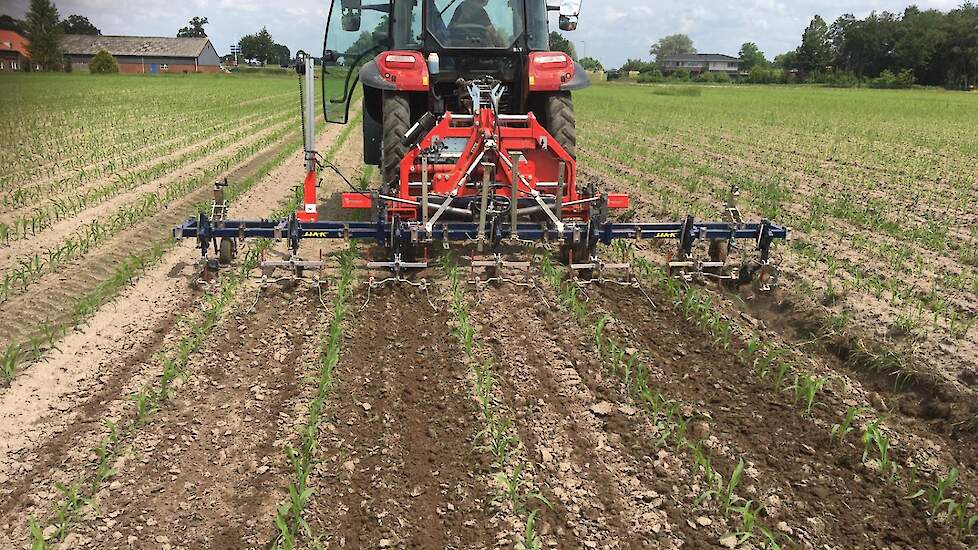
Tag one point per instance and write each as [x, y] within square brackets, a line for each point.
[449, 415]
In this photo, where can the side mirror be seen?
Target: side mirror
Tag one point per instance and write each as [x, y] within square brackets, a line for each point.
[569, 12]
[351, 20]
[568, 22]
[329, 56]
[351, 12]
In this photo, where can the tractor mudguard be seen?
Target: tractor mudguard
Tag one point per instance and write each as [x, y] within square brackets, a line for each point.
[370, 77]
[579, 81]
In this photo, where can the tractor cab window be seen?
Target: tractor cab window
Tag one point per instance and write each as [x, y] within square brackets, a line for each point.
[354, 36]
[476, 23]
[407, 25]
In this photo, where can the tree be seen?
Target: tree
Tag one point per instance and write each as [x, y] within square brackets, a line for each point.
[591, 64]
[815, 52]
[676, 44]
[103, 63]
[961, 47]
[195, 29]
[259, 47]
[79, 24]
[281, 55]
[751, 56]
[638, 65]
[560, 44]
[45, 35]
[8, 23]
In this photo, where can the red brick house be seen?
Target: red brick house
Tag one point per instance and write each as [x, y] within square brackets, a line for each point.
[13, 51]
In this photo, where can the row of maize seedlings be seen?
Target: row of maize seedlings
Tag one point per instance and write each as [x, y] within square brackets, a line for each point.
[666, 414]
[46, 338]
[131, 158]
[289, 518]
[80, 494]
[498, 439]
[154, 395]
[30, 268]
[774, 362]
[73, 139]
[946, 317]
[17, 355]
[59, 209]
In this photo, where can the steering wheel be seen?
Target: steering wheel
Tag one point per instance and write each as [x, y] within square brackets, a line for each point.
[475, 34]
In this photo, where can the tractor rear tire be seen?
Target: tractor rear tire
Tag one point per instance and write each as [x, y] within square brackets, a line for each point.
[397, 121]
[560, 120]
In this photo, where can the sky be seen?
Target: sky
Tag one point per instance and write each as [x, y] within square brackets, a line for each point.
[610, 30]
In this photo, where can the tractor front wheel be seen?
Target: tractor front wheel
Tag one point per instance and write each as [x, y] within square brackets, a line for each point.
[397, 121]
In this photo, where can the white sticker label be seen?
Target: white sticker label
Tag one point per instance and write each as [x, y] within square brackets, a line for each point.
[310, 209]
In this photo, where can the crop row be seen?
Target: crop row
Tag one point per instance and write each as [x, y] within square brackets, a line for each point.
[132, 112]
[136, 140]
[289, 518]
[79, 495]
[780, 365]
[127, 159]
[29, 269]
[16, 355]
[64, 207]
[498, 437]
[666, 414]
[955, 319]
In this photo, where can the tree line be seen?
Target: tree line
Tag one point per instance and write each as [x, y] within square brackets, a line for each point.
[928, 47]
[934, 47]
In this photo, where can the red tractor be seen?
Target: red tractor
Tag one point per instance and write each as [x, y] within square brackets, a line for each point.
[465, 110]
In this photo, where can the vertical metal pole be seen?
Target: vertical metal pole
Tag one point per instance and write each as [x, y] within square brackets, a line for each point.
[310, 113]
[560, 190]
[515, 195]
[424, 191]
[486, 174]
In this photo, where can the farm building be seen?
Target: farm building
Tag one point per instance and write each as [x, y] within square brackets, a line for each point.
[13, 51]
[697, 63]
[145, 54]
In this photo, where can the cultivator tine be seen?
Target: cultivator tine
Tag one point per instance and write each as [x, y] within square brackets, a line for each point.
[495, 267]
[374, 283]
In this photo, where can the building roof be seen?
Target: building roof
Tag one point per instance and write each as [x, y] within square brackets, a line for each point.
[701, 57]
[11, 41]
[148, 46]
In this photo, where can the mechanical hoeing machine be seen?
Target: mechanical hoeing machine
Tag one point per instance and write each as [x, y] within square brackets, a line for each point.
[469, 117]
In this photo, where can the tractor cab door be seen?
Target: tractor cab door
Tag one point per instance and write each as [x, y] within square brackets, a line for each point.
[355, 34]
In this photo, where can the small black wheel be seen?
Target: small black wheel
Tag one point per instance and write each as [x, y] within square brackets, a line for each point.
[225, 251]
[719, 250]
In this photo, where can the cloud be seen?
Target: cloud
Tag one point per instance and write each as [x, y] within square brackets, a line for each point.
[611, 30]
